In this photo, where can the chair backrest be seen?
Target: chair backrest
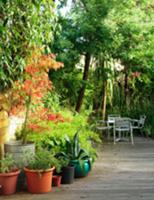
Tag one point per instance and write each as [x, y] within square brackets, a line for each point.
[142, 120]
[101, 123]
[113, 117]
[122, 123]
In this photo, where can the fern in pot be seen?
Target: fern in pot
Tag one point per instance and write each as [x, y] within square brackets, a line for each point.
[39, 171]
[8, 175]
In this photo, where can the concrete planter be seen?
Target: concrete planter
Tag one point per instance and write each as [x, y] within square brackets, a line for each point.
[17, 149]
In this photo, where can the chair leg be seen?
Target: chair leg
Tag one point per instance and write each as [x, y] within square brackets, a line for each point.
[141, 131]
[108, 133]
[119, 134]
[131, 135]
[114, 136]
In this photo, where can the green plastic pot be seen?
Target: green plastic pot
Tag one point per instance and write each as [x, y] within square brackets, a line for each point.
[81, 168]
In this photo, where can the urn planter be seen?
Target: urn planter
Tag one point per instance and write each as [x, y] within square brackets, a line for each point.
[17, 149]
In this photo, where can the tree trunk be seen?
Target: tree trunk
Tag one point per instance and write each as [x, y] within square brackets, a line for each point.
[85, 77]
[104, 96]
[120, 95]
[96, 102]
[126, 86]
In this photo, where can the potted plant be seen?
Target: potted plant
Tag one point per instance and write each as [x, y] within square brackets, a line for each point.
[57, 145]
[27, 95]
[77, 156]
[67, 174]
[67, 170]
[39, 171]
[58, 176]
[8, 175]
[56, 180]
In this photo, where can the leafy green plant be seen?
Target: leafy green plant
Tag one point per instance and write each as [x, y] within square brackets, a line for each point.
[73, 150]
[55, 137]
[51, 101]
[7, 164]
[23, 25]
[42, 160]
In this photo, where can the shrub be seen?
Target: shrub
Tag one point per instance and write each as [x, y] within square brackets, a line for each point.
[55, 137]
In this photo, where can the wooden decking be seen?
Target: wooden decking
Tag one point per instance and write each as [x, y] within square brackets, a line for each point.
[128, 171]
[122, 172]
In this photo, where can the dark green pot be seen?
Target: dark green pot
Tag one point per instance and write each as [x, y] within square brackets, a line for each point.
[81, 168]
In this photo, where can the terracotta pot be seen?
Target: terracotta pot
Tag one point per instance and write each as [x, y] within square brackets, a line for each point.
[8, 182]
[56, 180]
[39, 181]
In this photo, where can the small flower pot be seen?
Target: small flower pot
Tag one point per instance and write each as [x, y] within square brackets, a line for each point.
[56, 180]
[39, 181]
[67, 175]
[8, 182]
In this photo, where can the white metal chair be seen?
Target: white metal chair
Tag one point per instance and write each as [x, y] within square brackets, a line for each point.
[122, 125]
[139, 123]
[112, 117]
[102, 125]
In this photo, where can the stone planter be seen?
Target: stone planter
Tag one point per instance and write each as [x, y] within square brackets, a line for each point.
[17, 149]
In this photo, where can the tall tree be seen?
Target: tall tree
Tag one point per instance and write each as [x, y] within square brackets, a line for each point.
[23, 25]
[131, 26]
[92, 34]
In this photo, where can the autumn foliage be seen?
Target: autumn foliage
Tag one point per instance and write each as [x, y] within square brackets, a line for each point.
[28, 93]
